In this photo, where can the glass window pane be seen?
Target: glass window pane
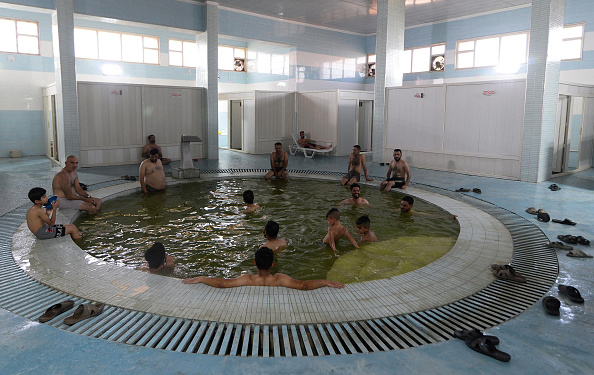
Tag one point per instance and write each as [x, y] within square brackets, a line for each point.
[406, 61]
[573, 32]
[438, 50]
[132, 50]
[28, 44]
[239, 53]
[190, 54]
[278, 64]
[465, 60]
[151, 56]
[466, 46]
[371, 58]
[110, 47]
[27, 28]
[225, 58]
[175, 58]
[175, 45]
[571, 49]
[85, 44]
[421, 59]
[486, 52]
[263, 62]
[513, 49]
[151, 42]
[8, 41]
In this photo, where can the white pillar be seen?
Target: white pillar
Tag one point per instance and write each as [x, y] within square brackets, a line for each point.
[542, 89]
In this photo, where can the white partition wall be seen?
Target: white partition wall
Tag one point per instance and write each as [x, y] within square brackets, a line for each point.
[115, 120]
[471, 128]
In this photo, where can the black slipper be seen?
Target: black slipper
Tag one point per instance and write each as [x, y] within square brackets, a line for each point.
[566, 221]
[462, 334]
[462, 190]
[551, 305]
[567, 238]
[477, 190]
[582, 241]
[554, 187]
[542, 215]
[485, 346]
[571, 292]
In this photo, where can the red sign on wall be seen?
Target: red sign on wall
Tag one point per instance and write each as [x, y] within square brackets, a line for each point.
[176, 94]
[488, 93]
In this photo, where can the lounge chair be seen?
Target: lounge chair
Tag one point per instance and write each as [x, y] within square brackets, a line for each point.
[307, 152]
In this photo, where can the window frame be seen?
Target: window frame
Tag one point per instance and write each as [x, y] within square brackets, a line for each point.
[245, 59]
[499, 36]
[16, 20]
[583, 25]
[182, 52]
[431, 55]
[158, 49]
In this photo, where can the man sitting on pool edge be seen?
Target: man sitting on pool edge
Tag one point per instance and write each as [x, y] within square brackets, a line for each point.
[264, 262]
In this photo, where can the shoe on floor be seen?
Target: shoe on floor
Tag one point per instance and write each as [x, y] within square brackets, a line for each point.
[577, 253]
[571, 292]
[558, 245]
[566, 221]
[551, 305]
[532, 210]
[56, 310]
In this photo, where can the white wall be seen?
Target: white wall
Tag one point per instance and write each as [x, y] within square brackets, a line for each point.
[274, 120]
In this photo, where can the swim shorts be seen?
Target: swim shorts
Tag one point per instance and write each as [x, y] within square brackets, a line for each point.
[151, 189]
[278, 169]
[47, 232]
[67, 204]
[352, 174]
[398, 181]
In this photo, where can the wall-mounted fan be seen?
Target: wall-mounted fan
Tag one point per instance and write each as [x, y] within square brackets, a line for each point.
[437, 63]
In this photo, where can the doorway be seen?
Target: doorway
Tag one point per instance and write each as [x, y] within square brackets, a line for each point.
[51, 127]
[568, 134]
[561, 125]
[236, 124]
[365, 125]
[223, 128]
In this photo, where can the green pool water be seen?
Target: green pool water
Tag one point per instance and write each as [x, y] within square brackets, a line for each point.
[204, 226]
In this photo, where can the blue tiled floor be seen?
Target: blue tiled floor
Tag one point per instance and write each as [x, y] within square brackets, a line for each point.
[538, 343]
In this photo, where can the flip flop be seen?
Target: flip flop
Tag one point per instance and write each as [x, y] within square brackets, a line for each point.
[576, 253]
[582, 241]
[56, 310]
[551, 305]
[462, 190]
[85, 311]
[477, 190]
[485, 346]
[554, 187]
[462, 334]
[566, 222]
[498, 267]
[542, 215]
[571, 292]
[568, 239]
[558, 245]
[532, 210]
[508, 274]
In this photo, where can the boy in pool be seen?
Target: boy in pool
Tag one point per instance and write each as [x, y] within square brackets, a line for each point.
[39, 221]
[336, 230]
[363, 224]
[157, 258]
[248, 198]
[272, 241]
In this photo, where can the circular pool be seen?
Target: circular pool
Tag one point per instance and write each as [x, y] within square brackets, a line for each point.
[205, 226]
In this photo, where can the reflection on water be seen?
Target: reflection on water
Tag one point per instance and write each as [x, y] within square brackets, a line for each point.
[205, 227]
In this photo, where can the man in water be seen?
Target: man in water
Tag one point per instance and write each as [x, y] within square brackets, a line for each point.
[356, 163]
[153, 146]
[271, 234]
[400, 173]
[308, 143]
[263, 262]
[152, 176]
[406, 204]
[157, 259]
[66, 186]
[355, 196]
[278, 163]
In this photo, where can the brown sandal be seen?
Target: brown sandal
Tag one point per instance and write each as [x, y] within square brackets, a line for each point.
[508, 273]
[85, 311]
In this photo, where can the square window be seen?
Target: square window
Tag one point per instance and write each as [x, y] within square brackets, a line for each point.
[85, 44]
[438, 50]
[465, 60]
[132, 50]
[28, 44]
[486, 52]
[8, 41]
[466, 46]
[421, 60]
[176, 58]
[110, 47]
[151, 42]
[571, 49]
[573, 32]
[27, 28]
[175, 45]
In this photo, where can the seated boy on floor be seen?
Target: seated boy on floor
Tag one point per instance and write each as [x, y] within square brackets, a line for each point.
[157, 258]
[363, 225]
[39, 221]
[248, 198]
[336, 230]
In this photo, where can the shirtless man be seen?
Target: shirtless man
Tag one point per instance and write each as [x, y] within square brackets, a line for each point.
[308, 143]
[272, 241]
[356, 163]
[152, 176]
[355, 196]
[263, 262]
[65, 185]
[151, 146]
[399, 170]
[278, 163]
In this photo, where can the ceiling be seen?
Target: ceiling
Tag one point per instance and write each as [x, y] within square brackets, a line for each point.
[359, 16]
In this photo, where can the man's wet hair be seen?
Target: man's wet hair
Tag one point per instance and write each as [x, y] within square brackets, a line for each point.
[398, 150]
[278, 144]
[301, 132]
[271, 228]
[357, 147]
[149, 137]
[333, 213]
[248, 196]
[264, 258]
[364, 221]
[153, 151]
[36, 194]
[355, 185]
[410, 200]
[155, 255]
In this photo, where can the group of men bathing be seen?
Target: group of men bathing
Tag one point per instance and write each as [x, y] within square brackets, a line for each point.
[66, 186]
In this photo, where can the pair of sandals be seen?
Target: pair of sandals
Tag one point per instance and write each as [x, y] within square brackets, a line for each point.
[484, 344]
[82, 312]
[507, 272]
[573, 239]
[554, 187]
[130, 178]
[552, 304]
[541, 214]
[465, 190]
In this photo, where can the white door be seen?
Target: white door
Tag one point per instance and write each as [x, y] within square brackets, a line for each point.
[559, 146]
[365, 125]
[236, 127]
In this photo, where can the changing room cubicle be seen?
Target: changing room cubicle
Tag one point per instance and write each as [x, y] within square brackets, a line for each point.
[342, 118]
[116, 119]
[255, 120]
[473, 128]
